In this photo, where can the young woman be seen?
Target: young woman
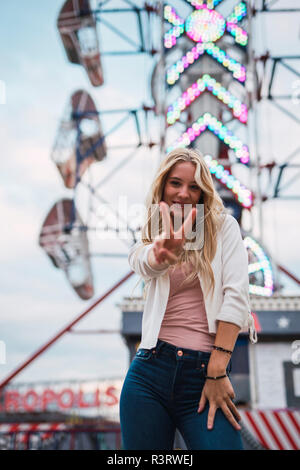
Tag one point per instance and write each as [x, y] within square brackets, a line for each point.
[196, 302]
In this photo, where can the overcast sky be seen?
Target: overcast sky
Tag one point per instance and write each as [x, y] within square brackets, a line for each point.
[36, 300]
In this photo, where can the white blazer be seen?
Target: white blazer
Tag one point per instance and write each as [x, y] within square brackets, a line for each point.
[230, 301]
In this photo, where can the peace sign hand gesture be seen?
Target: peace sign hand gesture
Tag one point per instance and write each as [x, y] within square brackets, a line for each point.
[168, 248]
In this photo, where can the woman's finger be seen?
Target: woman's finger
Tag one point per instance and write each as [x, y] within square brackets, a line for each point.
[166, 219]
[157, 248]
[187, 225]
[211, 415]
[234, 410]
[202, 402]
[229, 416]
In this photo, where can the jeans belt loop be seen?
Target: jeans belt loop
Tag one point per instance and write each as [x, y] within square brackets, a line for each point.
[198, 365]
[158, 347]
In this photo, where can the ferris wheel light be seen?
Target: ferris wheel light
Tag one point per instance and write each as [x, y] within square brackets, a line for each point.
[208, 121]
[174, 72]
[205, 25]
[239, 12]
[263, 265]
[209, 3]
[171, 16]
[238, 33]
[243, 195]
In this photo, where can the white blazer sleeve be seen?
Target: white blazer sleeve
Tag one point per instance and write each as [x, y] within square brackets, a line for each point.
[138, 261]
[235, 279]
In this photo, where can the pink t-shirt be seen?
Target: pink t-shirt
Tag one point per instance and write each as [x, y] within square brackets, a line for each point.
[185, 324]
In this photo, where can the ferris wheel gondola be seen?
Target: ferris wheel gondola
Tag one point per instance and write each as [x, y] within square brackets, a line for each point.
[77, 28]
[80, 140]
[68, 249]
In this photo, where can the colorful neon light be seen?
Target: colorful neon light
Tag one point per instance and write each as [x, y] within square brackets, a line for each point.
[263, 265]
[240, 35]
[239, 110]
[208, 121]
[239, 12]
[240, 192]
[171, 36]
[211, 4]
[238, 71]
[205, 25]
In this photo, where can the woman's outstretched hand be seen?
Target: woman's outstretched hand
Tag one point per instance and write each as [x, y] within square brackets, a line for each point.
[169, 245]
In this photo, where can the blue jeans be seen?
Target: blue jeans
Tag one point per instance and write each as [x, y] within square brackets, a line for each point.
[161, 392]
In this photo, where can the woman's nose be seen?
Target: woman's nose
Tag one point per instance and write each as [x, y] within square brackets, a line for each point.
[183, 192]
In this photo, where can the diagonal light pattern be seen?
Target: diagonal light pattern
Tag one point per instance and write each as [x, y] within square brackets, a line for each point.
[178, 25]
[239, 12]
[239, 110]
[208, 121]
[243, 195]
[240, 35]
[238, 71]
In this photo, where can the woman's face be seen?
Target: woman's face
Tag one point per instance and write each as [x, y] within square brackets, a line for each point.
[181, 188]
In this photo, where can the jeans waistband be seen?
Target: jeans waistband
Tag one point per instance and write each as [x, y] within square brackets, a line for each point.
[188, 353]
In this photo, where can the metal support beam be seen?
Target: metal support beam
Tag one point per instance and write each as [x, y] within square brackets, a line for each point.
[64, 330]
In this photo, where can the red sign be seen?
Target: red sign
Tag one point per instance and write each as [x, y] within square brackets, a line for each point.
[66, 398]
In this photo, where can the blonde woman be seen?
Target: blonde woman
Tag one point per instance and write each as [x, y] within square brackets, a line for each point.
[196, 303]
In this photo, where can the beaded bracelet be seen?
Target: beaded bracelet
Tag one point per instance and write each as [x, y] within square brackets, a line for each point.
[216, 378]
[218, 348]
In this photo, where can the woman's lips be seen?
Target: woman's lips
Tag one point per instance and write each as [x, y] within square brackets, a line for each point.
[181, 204]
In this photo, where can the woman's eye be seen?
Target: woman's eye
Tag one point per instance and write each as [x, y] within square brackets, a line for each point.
[176, 183]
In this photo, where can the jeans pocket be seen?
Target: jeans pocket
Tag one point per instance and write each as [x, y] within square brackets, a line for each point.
[144, 354]
[202, 367]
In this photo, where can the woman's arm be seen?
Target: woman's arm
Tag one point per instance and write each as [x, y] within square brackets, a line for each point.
[226, 337]
[232, 316]
[219, 392]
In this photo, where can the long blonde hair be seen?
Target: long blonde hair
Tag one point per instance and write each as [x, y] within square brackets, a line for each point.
[214, 212]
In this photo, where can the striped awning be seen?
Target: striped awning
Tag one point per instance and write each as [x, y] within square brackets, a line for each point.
[274, 429]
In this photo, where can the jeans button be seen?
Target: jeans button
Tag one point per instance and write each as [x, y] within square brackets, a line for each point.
[180, 353]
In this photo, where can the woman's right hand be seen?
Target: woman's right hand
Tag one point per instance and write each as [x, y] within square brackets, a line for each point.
[169, 245]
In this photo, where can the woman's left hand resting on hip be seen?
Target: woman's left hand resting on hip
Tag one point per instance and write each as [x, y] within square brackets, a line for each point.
[219, 393]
